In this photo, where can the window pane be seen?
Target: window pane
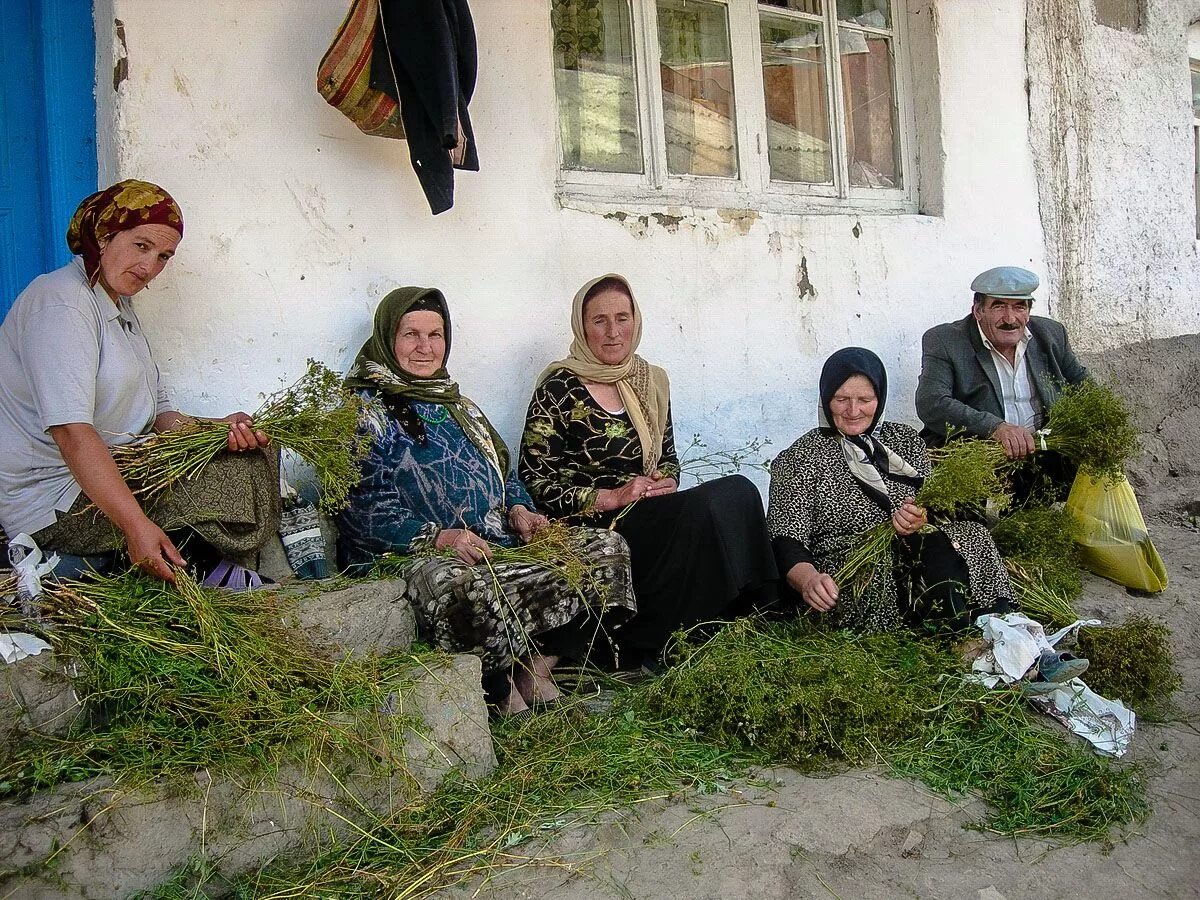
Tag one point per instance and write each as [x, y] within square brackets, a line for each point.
[594, 80]
[812, 7]
[871, 129]
[697, 84]
[872, 13]
[793, 54]
[1195, 89]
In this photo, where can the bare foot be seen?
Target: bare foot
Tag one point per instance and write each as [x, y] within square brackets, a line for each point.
[513, 703]
[534, 681]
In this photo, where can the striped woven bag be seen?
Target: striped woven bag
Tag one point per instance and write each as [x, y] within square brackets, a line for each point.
[344, 75]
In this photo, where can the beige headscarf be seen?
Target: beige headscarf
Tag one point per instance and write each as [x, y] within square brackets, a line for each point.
[644, 389]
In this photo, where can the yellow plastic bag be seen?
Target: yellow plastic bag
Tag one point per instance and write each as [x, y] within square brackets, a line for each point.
[1113, 538]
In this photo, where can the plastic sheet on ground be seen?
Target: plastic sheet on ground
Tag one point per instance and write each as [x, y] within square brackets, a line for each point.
[1015, 643]
[25, 556]
[16, 646]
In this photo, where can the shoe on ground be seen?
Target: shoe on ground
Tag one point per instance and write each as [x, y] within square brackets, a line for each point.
[1060, 667]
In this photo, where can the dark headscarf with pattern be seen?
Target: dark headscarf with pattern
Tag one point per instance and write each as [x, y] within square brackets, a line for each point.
[376, 368]
[867, 457]
[127, 204]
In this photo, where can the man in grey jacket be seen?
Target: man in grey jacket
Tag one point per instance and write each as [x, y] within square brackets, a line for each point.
[996, 372]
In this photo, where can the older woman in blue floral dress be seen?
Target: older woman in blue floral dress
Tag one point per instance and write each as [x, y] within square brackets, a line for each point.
[436, 489]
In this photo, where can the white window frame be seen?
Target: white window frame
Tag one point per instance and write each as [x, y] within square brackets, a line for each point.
[655, 187]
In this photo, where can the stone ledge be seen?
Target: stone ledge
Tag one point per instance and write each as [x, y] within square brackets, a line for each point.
[106, 840]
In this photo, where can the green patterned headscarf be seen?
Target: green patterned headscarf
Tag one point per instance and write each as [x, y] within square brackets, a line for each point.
[377, 368]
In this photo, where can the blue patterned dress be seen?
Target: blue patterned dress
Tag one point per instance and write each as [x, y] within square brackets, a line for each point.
[412, 488]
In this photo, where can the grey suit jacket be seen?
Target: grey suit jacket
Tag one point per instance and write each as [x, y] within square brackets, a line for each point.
[960, 388]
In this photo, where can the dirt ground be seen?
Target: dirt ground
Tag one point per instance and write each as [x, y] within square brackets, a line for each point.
[863, 835]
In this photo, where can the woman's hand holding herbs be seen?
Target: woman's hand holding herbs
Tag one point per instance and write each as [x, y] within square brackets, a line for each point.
[466, 545]
[151, 550]
[525, 522]
[818, 589]
[242, 434]
[609, 499]
[909, 518]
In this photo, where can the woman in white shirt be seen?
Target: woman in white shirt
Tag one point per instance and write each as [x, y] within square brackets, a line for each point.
[77, 377]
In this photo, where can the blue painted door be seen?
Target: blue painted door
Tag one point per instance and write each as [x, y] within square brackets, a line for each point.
[47, 133]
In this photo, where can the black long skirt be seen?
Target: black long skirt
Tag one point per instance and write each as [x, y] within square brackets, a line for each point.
[697, 555]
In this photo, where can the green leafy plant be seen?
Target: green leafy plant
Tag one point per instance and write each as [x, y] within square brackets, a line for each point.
[1039, 550]
[1090, 425]
[316, 418]
[179, 677]
[1131, 661]
[821, 699]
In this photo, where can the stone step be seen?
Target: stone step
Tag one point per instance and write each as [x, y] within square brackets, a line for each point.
[102, 839]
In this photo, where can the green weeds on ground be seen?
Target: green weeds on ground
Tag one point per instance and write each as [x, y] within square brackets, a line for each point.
[1131, 660]
[829, 699]
[186, 678]
[755, 693]
[176, 678]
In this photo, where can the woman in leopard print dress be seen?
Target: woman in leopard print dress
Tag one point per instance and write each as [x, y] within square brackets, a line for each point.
[854, 473]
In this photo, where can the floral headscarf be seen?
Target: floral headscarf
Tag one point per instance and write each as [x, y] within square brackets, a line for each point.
[127, 204]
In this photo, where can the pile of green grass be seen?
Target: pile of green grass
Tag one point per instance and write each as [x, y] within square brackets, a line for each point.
[810, 698]
[188, 678]
[820, 699]
[1039, 549]
[176, 678]
[753, 693]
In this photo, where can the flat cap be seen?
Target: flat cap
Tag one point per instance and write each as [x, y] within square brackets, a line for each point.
[1006, 281]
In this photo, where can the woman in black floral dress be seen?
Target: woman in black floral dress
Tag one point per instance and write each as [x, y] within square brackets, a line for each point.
[853, 473]
[598, 447]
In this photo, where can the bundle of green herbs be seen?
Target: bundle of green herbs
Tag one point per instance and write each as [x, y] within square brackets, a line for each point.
[968, 475]
[557, 547]
[316, 418]
[1039, 550]
[1131, 661]
[1090, 425]
[177, 677]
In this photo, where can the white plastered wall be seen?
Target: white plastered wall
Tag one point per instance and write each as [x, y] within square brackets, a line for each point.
[297, 224]
[1111, 133]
